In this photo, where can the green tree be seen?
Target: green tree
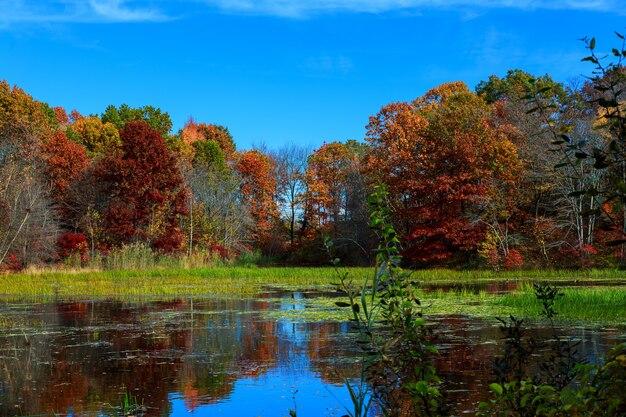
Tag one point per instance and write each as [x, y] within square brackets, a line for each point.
[153, 116]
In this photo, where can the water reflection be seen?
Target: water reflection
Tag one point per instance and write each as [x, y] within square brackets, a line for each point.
[186, 353]
[468, 346]
[214, 357]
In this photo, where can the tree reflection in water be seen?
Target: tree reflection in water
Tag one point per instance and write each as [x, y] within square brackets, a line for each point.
[211, 357]
[81, 357]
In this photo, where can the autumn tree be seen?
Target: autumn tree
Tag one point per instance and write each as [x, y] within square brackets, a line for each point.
[66, 163]
[258, 187]
[550, 197]
[336, 195]
[62, 118]
[442, 157]
[24, 122]
[217, 220]
[27, 223]
[146, 192]
[194, 134]
[95, 136]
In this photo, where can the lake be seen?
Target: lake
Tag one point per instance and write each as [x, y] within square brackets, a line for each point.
[215, 357]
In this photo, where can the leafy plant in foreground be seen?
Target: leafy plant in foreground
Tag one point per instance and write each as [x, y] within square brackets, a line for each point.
[564, 386]
[393, 332]
[604, 94]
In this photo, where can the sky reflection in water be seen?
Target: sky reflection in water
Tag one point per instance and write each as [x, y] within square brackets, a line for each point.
[213, 357]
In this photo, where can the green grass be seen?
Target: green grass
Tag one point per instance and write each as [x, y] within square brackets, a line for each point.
[246, 280]
[603, 304]
[166, 282]
[474, 276]
[599, 304]
[606, 305]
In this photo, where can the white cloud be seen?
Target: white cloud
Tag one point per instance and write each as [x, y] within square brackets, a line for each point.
[303, 8]
[106, 11]
[75, 11]
[118, 11]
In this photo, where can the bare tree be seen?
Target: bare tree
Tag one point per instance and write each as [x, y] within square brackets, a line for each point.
[216, 213]
[291, 163]
[27, 226]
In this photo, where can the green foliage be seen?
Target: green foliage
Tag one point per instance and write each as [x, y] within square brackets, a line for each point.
[252, 259]
[563, 386]
[393, 333]
[210, 155]
[514, 85]
[157, 120]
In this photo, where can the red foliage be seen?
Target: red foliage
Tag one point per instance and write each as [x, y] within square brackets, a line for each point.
[13, 263]
[168, 244]
[147, 194]
[75, 115]
[513, 260]
[61, 116]
[443, 162]
[589, 250]
[221, 251]
[570, 256]
[73, 243]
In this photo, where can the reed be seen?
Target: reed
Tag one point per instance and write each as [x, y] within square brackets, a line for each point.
[164, 282]
[155, 280]
[599, 304]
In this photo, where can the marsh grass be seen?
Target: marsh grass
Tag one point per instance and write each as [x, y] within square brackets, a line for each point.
[476, 276]
[584, 303]
[606, 305]
[164, 282]
[595, 304]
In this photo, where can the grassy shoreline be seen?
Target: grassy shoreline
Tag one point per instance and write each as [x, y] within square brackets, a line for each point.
[250, 280]
[605, 303]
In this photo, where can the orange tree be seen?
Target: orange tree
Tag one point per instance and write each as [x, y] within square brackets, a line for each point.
[66, 163]
[447, 163]
[327, 183]
[258, 187]
[336, 199]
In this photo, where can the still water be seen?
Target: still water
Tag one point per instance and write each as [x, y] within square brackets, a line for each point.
[213, 357]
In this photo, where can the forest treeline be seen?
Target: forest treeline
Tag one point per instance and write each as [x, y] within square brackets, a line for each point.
[523, 171]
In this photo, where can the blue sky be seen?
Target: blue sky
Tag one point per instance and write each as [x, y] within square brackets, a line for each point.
[280, 71]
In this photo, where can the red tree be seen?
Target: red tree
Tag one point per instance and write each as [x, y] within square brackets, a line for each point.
[442, 158]
[146, 190]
